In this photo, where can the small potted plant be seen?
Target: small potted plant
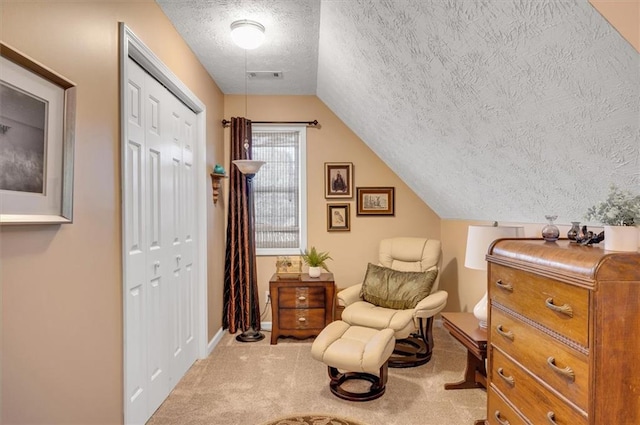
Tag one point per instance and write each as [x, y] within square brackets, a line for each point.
[316, 261]
[619, 214]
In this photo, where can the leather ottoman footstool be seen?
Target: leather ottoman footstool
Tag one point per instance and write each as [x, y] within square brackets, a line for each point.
[354, 352]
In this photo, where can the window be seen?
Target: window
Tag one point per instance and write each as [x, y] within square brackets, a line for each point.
[279, 189]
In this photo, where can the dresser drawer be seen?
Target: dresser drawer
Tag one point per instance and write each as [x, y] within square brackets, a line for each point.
[561, 307]
[297, 318]
[534, 401]
[301, 297]
[543, 355]
[499, 412]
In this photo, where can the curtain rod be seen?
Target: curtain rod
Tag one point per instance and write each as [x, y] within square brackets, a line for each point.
[226, 123]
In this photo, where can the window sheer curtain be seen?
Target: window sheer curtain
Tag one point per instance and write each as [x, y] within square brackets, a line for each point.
[238, 256]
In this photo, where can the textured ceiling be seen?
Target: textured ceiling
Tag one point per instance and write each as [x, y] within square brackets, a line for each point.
[291, 45]
[488, 109]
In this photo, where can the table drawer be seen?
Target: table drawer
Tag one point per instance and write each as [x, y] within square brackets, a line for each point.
[561, 307]
[560, 366]
[534, 401]
[499, 412]
[301, 297]
[293, 318]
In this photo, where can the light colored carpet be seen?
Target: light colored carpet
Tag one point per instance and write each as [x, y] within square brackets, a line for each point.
[253, 383]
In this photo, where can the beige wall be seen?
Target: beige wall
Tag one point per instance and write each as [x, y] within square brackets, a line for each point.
[334, 142]
[624, 15]
[61, 285]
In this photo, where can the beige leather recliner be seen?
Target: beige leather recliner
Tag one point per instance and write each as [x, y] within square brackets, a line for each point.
[413, 327]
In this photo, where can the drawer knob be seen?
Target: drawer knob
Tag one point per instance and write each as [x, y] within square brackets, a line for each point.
[508, 379]
[567, 372]
[551, 417]
[564, 309]
[500, 421]
[506, 334]
[302, 298]
[302, 319]
[505, 286]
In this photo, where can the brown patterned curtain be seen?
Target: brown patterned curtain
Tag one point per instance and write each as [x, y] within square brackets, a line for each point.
[239, 258]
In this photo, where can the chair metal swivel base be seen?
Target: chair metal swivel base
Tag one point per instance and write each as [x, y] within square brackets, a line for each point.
[378, 384]
[416, 349]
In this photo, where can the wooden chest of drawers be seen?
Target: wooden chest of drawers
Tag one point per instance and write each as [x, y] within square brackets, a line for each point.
[564, 334]
[301, 308]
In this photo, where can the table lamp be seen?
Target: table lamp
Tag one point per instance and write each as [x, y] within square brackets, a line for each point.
[479, 238]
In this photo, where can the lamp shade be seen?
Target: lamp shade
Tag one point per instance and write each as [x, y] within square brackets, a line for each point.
[480, 237]
[248, 166]
[247, 34]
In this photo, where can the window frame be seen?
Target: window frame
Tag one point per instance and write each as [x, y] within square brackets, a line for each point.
[302, 188]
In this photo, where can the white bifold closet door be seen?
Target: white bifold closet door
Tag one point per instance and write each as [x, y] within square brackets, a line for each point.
[159, 197]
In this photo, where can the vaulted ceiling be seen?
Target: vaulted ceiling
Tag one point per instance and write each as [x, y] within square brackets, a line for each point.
[487, 109]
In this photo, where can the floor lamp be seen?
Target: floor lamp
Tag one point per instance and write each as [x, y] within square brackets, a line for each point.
[479, 238]
[248, 35]
[249, 168]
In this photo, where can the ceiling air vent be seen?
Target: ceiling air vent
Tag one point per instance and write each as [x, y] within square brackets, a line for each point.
[265, 75]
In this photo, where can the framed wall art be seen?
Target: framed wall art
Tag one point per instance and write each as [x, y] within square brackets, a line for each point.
[37, 131]
[338, 217]
[338, 180]
[375, 200]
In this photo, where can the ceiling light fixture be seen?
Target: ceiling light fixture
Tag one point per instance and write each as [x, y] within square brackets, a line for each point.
[247, 34]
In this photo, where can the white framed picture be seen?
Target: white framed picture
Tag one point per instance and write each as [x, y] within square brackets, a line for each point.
[37, 131]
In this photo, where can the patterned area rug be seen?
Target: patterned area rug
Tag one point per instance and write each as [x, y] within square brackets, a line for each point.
[313, 420]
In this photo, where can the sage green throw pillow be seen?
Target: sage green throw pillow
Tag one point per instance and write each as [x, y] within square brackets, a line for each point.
[390, 288]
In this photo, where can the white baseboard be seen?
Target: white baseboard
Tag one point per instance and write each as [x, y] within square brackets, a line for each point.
[214, 341]
[265, 326]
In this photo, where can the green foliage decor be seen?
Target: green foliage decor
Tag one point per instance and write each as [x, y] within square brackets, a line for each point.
[621, 208]
[313, 258]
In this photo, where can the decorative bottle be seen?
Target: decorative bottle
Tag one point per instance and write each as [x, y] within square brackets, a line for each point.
[572, 234]
[550, 232]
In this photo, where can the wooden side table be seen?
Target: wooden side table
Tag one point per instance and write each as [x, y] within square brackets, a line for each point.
[464, 328]
[301, 307]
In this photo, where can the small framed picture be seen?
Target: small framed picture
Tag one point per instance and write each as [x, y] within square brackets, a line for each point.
[338, 180]
[338, 217]
[375, 200]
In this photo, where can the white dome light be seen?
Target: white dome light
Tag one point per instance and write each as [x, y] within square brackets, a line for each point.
[247, 34]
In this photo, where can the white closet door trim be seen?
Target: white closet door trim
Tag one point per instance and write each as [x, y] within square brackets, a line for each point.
[132, 47]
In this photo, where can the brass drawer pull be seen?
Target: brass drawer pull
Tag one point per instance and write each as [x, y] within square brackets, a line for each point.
[551, 417]
[302, 319]
[301, 298]
[505, 286]
[564, 309]
[500, 421]
[567, 372]
[506, 334]
[508, 379]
